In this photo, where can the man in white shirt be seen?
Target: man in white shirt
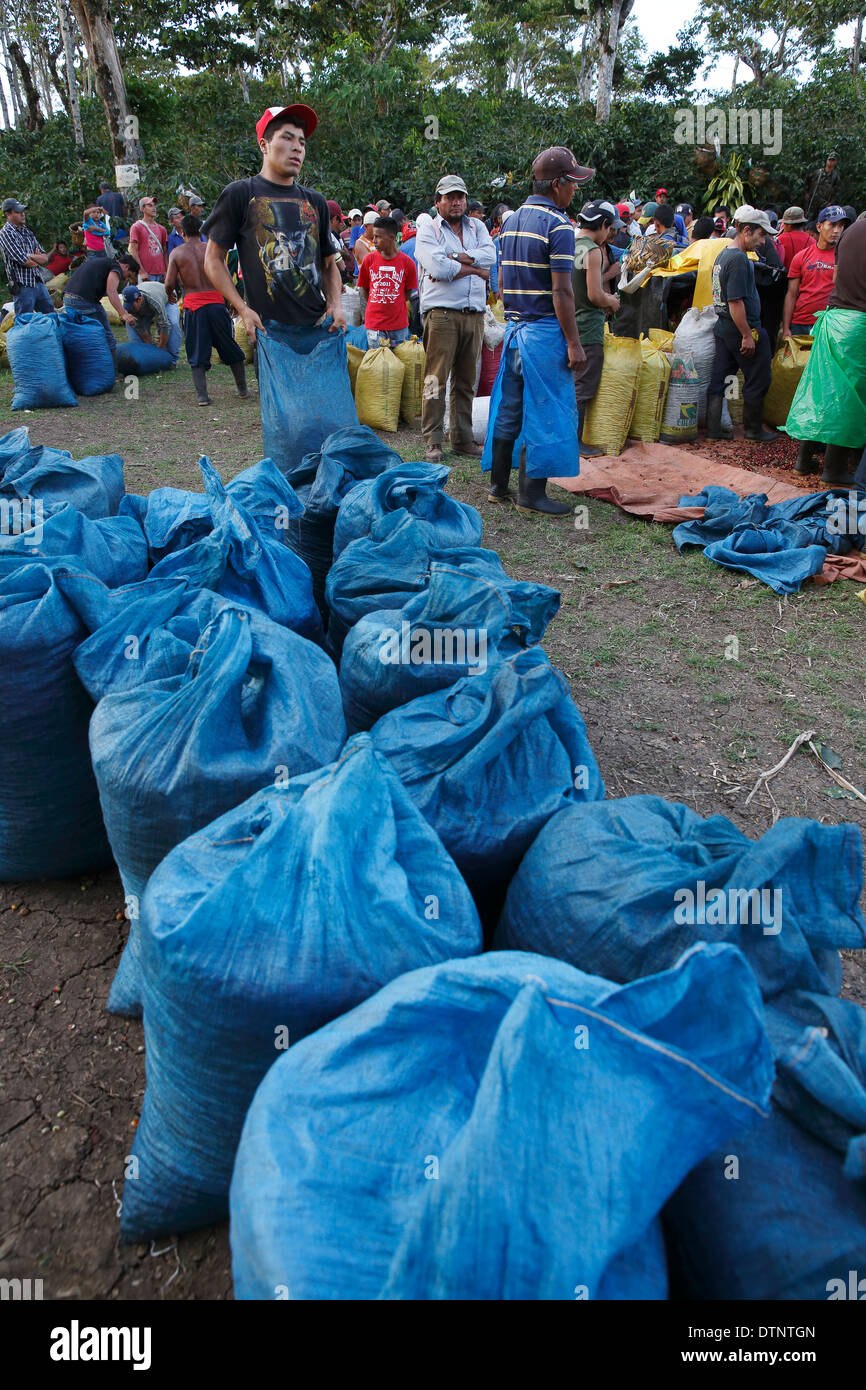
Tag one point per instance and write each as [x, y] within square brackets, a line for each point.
[454, 254]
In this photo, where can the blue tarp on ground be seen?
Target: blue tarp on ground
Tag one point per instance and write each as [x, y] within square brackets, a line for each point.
[620, 888]
[281, 915]
[781, 543]
[499, 1128]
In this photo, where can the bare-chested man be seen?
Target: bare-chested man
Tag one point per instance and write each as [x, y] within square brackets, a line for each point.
[206, 320]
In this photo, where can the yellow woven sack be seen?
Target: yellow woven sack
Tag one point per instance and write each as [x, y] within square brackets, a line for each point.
[378, 388]
[356, 357]
[662, 339]
[735, 401]
[242, 338]
[4, 329]
[113, 315]
[789, 364]
[652, 390]
[498, 310]
[609, 415]
[412, 355]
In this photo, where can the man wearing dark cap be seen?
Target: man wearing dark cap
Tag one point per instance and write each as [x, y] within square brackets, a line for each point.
[22, 257]
[454, 254]
[282, 232]
[532, 404]
[112, 202]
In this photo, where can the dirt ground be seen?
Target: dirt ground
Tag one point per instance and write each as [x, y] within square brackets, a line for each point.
[642, 635]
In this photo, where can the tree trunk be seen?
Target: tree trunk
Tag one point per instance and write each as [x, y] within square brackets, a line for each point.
[617, 12]
[5, 107]
[734, 78]
[584, 76]
[855, 47]
[71, 79]
[245, 91]
[94, 20]
[35, 119]
[12, 72]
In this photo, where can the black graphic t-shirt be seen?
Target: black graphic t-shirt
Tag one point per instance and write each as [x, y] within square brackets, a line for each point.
[282, 232]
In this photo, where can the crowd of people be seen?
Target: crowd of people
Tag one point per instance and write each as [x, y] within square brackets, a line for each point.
[275, 250]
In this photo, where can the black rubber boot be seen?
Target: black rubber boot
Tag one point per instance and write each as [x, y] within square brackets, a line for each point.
[199, 381]
[715, 428]
[837, 461]
[239, 372]
[806, 457]
[753, 423]
[587, 451]
[532, 495]
[500, 471]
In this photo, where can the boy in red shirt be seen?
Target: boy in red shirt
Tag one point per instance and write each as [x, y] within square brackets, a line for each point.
[811, 275]
[387, 279]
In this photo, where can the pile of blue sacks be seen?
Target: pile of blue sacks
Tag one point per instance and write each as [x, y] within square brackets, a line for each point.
[311, 719]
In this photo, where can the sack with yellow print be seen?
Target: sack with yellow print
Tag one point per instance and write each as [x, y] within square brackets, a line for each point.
[652, 390]
[789, 364]
[608, 415]
[412, 355]
[378, 388]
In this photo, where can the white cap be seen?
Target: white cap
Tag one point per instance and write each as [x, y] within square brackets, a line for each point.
[355, 212]
[754, 217]
[370, 218]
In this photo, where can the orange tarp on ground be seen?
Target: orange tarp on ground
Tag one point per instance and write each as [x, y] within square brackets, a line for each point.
[648, 480]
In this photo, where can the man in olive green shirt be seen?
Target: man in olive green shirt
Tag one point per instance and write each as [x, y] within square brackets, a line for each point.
[598, 223]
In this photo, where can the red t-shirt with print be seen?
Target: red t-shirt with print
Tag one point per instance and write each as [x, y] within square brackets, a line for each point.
[815, 270]
[386, 282]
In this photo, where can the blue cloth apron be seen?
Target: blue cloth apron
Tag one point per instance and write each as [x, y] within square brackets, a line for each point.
[549, 432]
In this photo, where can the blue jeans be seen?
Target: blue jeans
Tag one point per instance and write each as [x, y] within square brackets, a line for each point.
[386, 337]
[93, 311]
[33, 299]
[509, 416]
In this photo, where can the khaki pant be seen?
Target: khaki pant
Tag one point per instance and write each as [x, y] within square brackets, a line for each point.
[452, 342]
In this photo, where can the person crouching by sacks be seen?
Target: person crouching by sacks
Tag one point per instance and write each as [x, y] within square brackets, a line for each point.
[741, 342]
[206, 321]
[533, 395]
[830, 401]
[597, 223]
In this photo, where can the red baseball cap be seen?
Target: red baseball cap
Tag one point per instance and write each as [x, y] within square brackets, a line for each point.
[334, 208]
[661, 190]
[302, 115]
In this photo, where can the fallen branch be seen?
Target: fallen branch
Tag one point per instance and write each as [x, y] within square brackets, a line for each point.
[765, 777]
[837, 776]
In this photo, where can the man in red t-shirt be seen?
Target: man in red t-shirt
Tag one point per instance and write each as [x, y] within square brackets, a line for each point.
[811, 275]
[386, 280]
[794, 236]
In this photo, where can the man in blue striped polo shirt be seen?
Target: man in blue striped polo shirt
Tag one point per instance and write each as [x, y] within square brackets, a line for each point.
[532, 402]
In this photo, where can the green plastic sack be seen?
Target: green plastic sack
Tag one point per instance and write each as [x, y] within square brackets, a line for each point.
[830, 403]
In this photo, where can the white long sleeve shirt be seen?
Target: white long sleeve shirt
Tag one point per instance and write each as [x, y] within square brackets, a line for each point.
[438, 285]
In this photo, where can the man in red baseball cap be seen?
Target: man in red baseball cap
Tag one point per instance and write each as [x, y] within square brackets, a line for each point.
[282, 231]
[661, 195]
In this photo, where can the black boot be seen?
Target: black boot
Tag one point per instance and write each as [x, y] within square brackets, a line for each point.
[532, 495]
[837, 461]
[500, 471]
[806, 457]
[715, 428]
[587, 451]
[199, 381]
[753, 423]
[238, 370]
